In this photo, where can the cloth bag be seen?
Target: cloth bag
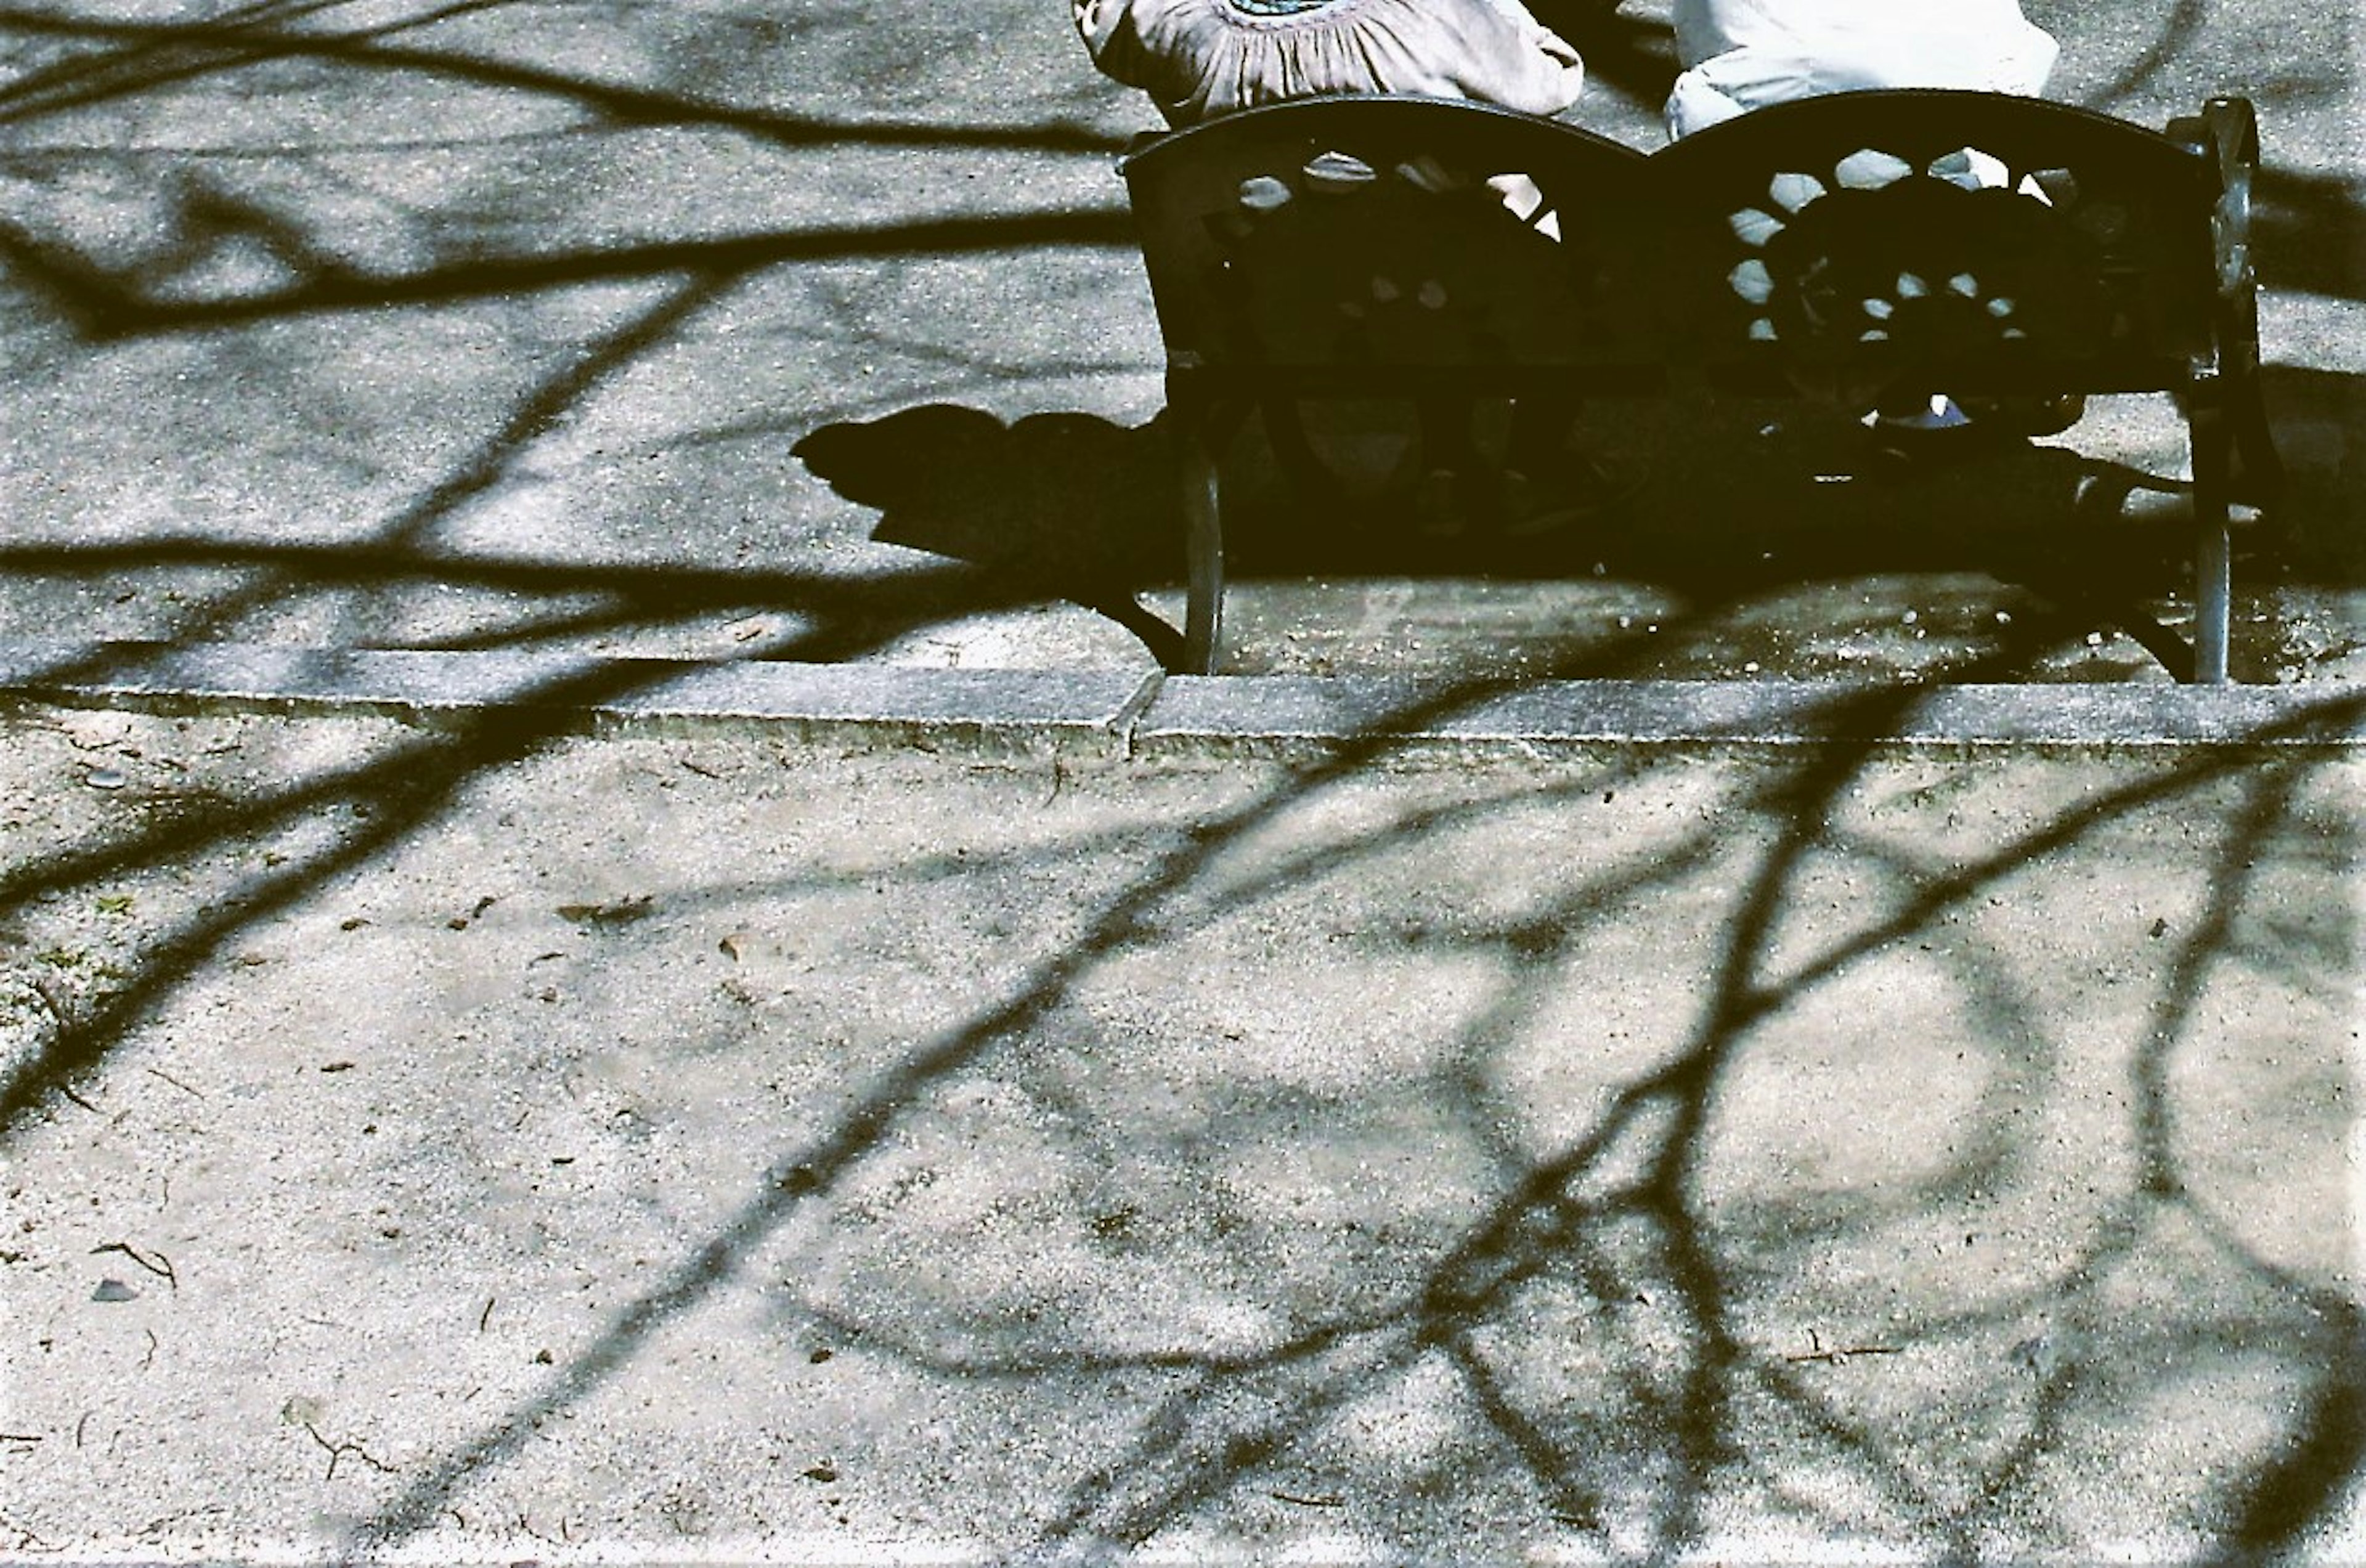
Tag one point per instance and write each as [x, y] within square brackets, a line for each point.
[1198, 58]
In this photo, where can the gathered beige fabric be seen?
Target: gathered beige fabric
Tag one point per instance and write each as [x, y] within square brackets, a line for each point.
[1200, 59]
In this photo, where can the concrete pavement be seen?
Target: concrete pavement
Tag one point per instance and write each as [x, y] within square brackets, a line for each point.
[820, 333]
[698, 1142]
[625, 974]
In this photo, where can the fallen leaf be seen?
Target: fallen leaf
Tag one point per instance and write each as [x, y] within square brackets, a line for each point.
[622, 911]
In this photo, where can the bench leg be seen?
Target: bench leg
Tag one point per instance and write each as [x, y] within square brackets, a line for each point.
[1285, 432]
[2212, 575]
[2260, 469]
[2213, 547]
[1203, 545]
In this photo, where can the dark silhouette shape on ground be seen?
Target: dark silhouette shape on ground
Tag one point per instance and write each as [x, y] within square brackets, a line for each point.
[1734, 502]
[1074, 505]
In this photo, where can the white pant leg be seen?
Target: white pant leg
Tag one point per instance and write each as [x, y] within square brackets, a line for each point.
[1755, 53]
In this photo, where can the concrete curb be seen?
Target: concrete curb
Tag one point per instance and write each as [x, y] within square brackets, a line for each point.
[1292, 713]
[991, 711]
[1114, 714]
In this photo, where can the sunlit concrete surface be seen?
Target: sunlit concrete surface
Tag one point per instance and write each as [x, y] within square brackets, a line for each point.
[525, 1103]
[489, 1143]
[819, 330]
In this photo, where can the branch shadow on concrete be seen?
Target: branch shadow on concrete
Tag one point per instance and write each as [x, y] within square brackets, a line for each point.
[1612, 1314]
[1609, 1305]
[1621, 1250]
[118, 60]
[1813, 534]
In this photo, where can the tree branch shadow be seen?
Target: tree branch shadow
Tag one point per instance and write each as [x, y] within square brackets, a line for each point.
[1624, 1217]
[1618, 1218]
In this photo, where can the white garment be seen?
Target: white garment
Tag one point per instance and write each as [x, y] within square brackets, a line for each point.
[1744, 54]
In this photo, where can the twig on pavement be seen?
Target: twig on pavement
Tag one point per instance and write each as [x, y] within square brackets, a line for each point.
[160, 1264]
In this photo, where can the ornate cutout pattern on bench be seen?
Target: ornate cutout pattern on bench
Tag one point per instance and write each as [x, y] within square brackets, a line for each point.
[1858, 239]
[1376, 236]
[1958, 257]
[1868, 248]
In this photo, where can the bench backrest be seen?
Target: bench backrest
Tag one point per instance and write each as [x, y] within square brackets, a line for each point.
[1935, 241]
[1853, 246]
[1360, 238]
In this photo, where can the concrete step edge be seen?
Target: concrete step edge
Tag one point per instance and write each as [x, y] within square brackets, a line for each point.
[1117, 713]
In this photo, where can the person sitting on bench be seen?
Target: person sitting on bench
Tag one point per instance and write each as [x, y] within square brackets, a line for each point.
[1741, 55]
[1738, 55]
[1199, 60]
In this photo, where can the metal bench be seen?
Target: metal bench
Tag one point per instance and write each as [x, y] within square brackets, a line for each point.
[1866, 249]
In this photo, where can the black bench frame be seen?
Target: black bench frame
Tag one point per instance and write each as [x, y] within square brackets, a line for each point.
[1864, 248]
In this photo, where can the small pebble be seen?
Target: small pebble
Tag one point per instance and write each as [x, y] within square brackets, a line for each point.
[114, 1290]
[104, 778]
[2040, 1355]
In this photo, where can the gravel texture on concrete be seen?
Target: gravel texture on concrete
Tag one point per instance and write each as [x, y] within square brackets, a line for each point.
[482, 1142]
[646, 969]
[818, 329]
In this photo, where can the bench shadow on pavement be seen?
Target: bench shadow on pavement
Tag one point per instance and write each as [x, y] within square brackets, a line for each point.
[1736, 503]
